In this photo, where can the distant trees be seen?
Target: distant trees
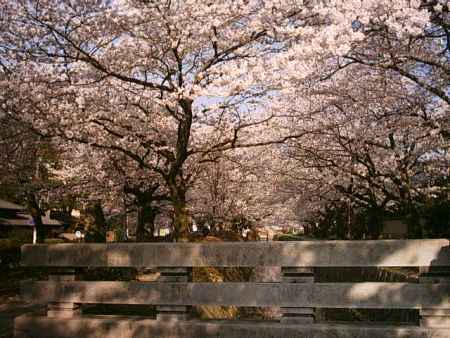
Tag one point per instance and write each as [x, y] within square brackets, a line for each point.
[240, 190]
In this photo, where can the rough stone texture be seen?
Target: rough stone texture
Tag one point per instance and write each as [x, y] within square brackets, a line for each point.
[174, 294]
[63, 313]
[12, 308]
[147, 275]
[298, 310]
[229, 254]
[62, 309]
[266, 274]
[435, 316]
[436, 321]
[113, 327]
[172, 316]
[435, 312]
[297, 315]
[331, 295]
[172, 275]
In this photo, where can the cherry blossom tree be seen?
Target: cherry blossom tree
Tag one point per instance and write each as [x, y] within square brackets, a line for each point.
[174, 84]
[422, 57]
[377, 144]
[26, 161]
[112, 180]
[242, 185]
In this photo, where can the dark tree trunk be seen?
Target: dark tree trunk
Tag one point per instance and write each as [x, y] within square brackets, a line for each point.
[36, 214]
[175, 178]
[95, 223]
[140, 225]
[150, 216]
[181, 215]
[146, 215]
[181, 221]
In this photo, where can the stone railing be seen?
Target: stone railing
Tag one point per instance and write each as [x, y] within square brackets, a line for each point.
[296, 293]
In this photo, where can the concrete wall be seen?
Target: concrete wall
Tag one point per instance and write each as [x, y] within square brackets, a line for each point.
[382, 253]
[326, 295]
[115, 327]
[295, 293]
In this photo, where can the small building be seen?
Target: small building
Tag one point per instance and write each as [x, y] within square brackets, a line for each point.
[15, 221]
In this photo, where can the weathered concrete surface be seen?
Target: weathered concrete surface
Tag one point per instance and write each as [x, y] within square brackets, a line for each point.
[297, 315]
[291, 254]
[10, 310]
[331, 295]
[113, 327]
[292, 257]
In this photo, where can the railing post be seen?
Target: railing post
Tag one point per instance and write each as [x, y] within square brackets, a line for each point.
[174, 275]
[431, 317]
[297, 315]
[63, 309]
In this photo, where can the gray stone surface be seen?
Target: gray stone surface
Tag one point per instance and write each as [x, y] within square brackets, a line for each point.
[113, 327]
[331, 295]
[436, 321]
[435, 316]
[10, 310]
[297, 315]
[173, 294]
[228, 254]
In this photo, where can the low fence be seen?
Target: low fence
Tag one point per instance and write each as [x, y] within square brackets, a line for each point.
[296, 292]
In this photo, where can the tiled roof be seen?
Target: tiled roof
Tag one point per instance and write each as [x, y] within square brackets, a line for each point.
[10, 206]
[25, 220]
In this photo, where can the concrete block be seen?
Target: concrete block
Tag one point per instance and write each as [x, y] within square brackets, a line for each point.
[173, 279]
[62, 278]
[172, 308]
[435, 312]
[63, 306]
[435, 321]
[302, 319]
[378, 253]
[297, 279]
[174, 274]
[297, 310]
[63, 313]
[434, 279]
[63, 310]
[435, 317]
[329, 295]
[113, 327]
[168, 317]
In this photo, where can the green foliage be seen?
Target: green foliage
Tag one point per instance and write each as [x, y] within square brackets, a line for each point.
[437, 219]
[290, 237]
[429, 219]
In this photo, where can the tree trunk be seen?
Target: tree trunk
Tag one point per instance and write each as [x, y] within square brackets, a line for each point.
[181, 221]
[36, 213]
[140, 226]
[145, 218]
[150, 216]
[95, 223]
[175, 177]
[181, 215]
